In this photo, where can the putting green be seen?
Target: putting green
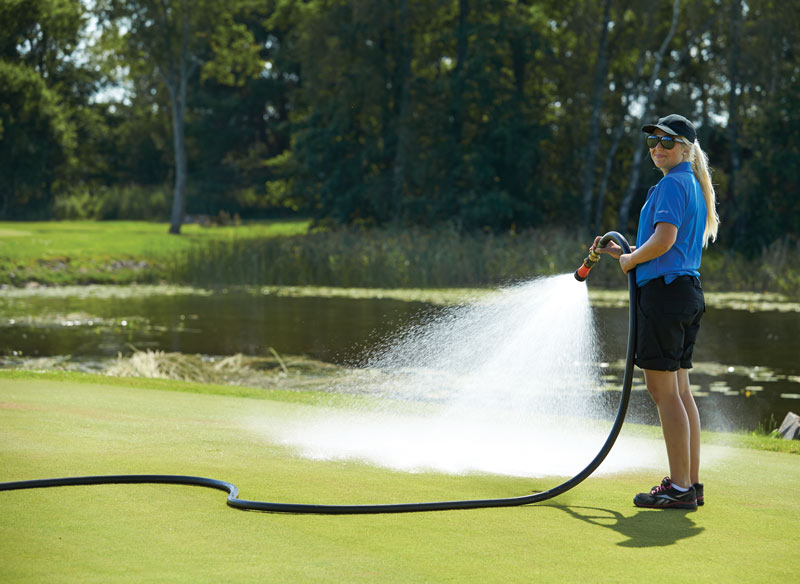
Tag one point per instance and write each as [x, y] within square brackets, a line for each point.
[155, 533]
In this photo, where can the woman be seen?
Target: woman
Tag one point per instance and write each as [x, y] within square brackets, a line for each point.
[676, 222]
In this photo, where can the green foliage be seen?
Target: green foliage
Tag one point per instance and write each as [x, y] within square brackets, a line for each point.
[37, 138]
[43, 94]
[409, 112]
[452, 137]
[132, 201]
[236, 53]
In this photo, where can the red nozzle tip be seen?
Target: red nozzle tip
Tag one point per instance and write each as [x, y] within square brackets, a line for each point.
[582, 272]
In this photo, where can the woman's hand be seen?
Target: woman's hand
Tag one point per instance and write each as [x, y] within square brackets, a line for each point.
[626, 262]
[611, 248]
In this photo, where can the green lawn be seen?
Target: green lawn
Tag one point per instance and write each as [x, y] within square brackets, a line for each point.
[75, 239]
[72, 425]
[111, 252]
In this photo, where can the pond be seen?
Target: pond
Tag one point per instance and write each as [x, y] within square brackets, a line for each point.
[746, 368]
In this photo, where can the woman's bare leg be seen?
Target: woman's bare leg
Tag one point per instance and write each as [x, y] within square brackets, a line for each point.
[694, 424]
[663, 388]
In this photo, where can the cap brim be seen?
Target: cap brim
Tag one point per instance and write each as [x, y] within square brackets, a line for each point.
[650, 128]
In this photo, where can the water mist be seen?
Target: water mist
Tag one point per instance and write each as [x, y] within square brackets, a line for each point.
[508, 384]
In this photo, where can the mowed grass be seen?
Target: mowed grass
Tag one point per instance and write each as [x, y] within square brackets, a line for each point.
[133, 239]
[84, 425]
[113, 252]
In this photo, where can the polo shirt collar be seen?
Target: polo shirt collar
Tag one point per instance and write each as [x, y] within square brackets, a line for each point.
[682, 167]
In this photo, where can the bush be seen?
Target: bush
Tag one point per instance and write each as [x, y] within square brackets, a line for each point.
[130, 202]
[776, 269]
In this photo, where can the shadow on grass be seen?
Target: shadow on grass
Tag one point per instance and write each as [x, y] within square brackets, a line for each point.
[647, 528]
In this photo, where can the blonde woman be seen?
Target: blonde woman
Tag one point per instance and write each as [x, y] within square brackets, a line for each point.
[676, 222]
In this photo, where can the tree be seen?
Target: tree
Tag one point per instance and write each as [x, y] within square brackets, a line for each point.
[41, 88]
[765, 67]
[649, 103]
[400, 164]
[493, 115]
[179, 38]
[598, 89]
[734, 57]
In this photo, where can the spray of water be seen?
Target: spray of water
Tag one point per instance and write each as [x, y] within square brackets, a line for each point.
[507, 385]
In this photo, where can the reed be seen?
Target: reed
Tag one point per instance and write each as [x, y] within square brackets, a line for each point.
[425, 258]
[380, 258]
[285, 253]
[775, 269]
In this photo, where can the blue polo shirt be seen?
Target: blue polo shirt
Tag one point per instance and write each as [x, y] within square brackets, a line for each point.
[676, 199]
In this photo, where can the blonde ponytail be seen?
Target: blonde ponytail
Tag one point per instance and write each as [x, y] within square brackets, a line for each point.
[699, 161]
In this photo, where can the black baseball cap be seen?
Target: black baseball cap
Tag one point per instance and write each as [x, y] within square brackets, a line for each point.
[674, 125]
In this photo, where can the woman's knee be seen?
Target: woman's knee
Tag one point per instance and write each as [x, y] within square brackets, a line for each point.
[661, 385]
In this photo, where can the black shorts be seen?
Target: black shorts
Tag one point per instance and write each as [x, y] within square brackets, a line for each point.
[668, 320]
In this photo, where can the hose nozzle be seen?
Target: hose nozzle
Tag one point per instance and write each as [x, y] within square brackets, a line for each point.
[583, 272]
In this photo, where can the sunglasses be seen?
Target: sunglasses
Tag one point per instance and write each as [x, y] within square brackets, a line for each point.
[667, 142]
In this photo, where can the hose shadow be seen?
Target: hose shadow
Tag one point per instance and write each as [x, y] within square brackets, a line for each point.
[646, 528]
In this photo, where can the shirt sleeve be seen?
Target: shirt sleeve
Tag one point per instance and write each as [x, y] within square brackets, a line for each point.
[670, 203]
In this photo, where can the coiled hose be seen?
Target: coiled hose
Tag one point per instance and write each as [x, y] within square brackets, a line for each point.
[233, 491]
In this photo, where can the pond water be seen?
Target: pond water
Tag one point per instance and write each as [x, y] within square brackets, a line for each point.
[746, 367]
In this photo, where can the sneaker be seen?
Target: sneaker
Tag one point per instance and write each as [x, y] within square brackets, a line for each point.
[698, 488]
[665, 496]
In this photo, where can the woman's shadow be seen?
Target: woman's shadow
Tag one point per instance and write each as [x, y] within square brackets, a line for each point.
[647, 528]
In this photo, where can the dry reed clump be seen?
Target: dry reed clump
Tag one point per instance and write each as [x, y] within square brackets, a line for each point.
[272, 371]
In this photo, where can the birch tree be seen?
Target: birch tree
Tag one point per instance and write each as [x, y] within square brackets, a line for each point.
[599, 87]
[176, 39]
[648, 105]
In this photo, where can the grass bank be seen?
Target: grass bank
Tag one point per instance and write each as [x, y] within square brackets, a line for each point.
[112, 252]
[82, 425]
[285, 253]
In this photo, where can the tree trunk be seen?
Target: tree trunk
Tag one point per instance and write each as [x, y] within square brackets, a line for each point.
[462, 45]
[638, 152]
[401, 154]
[733, 105]
[177, 90]
[178, 135]
[457, 109]
[601, 72]
[601, 190]
[627, 97]
[461, 49]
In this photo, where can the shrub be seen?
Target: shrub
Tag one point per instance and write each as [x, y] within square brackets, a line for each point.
[131, 202]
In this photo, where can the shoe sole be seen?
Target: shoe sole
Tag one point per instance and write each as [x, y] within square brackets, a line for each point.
[646, 504]
[685, 506]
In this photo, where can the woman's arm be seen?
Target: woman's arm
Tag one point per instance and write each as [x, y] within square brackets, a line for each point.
[611, 248]
[658, 244]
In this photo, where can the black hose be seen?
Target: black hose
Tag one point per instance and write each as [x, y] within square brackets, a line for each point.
[233, 491]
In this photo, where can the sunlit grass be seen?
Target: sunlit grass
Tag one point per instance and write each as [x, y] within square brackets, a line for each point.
[123, 239]
[112, 252]
[91, 425]
[303, 380]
